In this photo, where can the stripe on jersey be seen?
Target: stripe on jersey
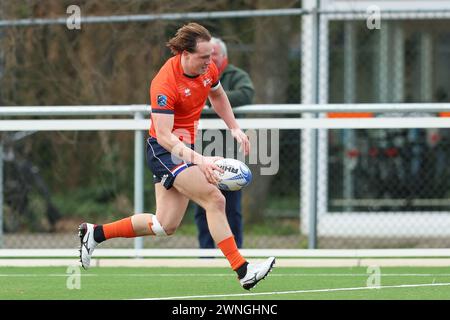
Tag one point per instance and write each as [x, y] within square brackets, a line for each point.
[165, 111]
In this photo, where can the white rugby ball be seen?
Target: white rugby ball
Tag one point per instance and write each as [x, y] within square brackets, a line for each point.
[236, 174]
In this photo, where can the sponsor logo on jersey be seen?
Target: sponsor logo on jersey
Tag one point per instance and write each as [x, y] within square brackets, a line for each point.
[161, 100]
[206, 81]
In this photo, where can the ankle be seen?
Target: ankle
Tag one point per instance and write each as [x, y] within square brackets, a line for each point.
[99, 235]
[242, 270]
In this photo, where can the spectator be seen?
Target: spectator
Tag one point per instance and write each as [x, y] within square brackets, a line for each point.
[239, 89]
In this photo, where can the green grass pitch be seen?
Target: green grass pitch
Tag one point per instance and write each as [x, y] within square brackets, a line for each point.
[48, 283]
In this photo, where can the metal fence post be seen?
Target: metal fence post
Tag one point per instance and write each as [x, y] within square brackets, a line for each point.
[312, 232]
[138, 176]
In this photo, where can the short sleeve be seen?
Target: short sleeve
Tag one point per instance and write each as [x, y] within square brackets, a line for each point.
[162, 99]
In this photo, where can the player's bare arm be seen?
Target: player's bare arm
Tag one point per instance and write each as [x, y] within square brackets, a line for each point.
[222, 107]
[164, 125]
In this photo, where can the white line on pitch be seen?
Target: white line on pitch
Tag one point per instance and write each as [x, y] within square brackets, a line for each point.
[299, 291]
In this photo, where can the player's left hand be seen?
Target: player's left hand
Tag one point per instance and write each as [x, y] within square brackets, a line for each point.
[242, 139]
[208, 166]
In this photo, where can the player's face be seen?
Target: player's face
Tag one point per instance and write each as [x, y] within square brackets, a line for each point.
[199, 60]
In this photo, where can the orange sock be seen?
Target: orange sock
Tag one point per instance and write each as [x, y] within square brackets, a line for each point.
[122, 228]
[231, 252]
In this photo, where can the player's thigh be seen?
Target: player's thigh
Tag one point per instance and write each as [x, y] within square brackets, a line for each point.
[170, 206]
[193, 184]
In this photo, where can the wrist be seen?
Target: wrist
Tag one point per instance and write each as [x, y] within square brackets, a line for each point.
[197, 158]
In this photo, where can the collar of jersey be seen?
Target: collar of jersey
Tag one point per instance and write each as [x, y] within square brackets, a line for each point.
[191, 77]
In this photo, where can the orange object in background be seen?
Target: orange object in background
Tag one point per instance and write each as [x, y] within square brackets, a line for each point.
[351, 115]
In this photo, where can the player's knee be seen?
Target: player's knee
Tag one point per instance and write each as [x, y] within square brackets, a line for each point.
[170, 229]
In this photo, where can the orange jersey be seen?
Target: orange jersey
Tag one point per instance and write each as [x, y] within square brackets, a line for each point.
[173, 92]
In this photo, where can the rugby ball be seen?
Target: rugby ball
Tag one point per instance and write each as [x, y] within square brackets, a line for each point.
[236, 174]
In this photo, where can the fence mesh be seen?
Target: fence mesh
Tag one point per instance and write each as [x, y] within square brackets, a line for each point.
[396, 171]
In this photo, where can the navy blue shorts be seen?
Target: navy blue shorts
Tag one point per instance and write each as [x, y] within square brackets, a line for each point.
[163, 164]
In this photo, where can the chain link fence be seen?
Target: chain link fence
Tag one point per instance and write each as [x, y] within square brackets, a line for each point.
[392, 171]
[55, 180]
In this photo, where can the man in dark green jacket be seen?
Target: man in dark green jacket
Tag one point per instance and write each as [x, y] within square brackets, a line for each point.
[239, 89]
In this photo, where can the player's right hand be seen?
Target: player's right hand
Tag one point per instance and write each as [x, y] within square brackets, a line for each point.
[207, 166]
